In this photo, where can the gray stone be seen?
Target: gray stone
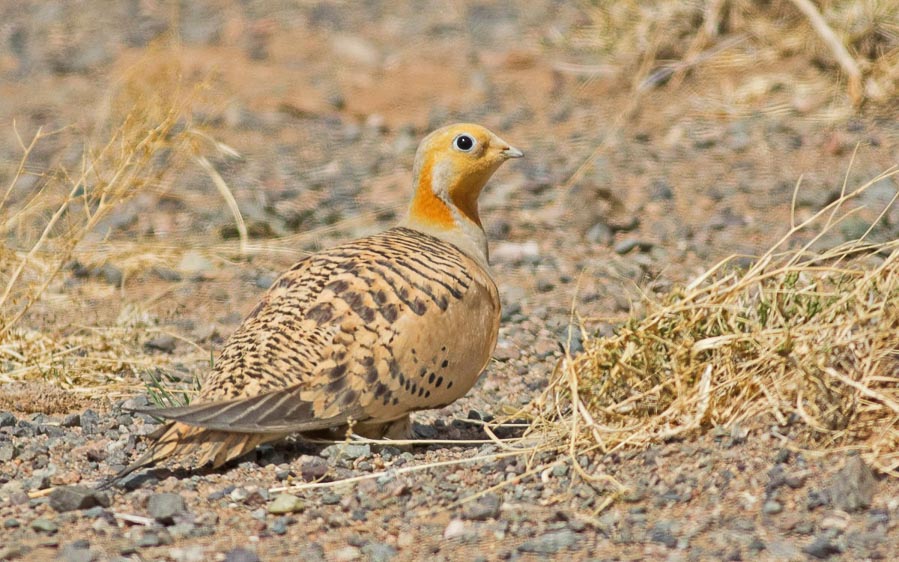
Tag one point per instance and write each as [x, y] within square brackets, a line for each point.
[378, 552]
[628, 244]
[164, 343]
[89, 421]
[165, 507]
[78, 551]
[821, 547]
[69, 498]
[7, 419]
[486, 507]
[44, 525]
[286, 503]
[772, 507]
[852, 488]
[550, 543]
[661, 533]
[71, 420]
[241, 555]
[7, 452]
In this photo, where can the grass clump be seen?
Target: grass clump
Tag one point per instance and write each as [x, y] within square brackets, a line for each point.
[857, 43]
[803, 342]
[63, 219]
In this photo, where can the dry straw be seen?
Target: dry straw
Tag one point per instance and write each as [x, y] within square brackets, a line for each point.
[61, 218]
[802, 343]
[667, 39]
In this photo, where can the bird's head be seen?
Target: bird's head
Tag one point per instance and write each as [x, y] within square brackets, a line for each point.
[452, 166]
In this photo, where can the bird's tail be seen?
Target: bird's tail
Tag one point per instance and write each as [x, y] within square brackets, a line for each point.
[195, 447]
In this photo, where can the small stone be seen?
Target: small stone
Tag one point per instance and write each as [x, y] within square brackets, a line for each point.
[772, 507]
[165, 507]
[164, 343]
[821, 547]
[241, 555]
[661, 533]
[44, 526]
[516, 252]
[89, 421]
[424, 431]
[286, 503]
[600, 233]
[194, 262]
[7, 452]
[550, 543]
[193, 553]
[346, 554]
[7, 419]
[852, 488]
[11, 523]
[455, 528]
[628, 244]
[148, 538]
[78, 551]
[71, 420]
[69, 498]
[279, 526]
[378, 552]
[486, 507]
[313, 468]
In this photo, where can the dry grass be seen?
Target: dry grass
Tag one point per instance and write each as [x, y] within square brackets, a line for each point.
[52, 220]
[857, 43]
[804, 343]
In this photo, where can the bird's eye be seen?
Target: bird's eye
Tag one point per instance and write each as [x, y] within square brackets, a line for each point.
[464, 143]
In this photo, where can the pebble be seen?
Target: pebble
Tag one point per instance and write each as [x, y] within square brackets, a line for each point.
[77, 551]
[69, 498]
[89, 422]
[661, 533]
[378, 552]
[286, 503]
[7, 419]
[455, 528]
[485, 507]
[193, 553]
[346, 451]
[628, 244]
[346, 554]
[550, 543]
[516, 252]
[821, 547]
[852, 488]
[164, 343]
[165, 507]
[772, 507]
[7, 452]
[44, 525]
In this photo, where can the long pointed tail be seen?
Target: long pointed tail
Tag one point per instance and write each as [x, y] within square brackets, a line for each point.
[195, 447]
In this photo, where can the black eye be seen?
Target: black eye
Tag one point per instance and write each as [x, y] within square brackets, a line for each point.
[464, 143]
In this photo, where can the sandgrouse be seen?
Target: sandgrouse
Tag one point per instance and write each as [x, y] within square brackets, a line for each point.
[364, 333]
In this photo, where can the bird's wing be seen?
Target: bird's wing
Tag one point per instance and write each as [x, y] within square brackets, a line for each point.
[334, 338]
[277, 411]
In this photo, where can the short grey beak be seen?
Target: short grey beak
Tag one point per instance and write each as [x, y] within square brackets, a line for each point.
[512, 152]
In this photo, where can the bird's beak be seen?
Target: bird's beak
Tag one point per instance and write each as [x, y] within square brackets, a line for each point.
[512, 152]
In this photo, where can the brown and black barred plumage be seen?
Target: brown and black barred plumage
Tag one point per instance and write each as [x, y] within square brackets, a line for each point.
[362, 333]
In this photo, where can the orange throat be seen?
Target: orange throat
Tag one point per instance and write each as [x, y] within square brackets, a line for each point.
[429, 208]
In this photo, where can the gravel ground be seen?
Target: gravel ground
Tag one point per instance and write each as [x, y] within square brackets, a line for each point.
[326, 103]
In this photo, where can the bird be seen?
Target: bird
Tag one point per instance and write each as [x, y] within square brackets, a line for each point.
[358, 336]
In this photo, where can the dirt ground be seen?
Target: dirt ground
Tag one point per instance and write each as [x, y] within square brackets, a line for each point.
[620, 194]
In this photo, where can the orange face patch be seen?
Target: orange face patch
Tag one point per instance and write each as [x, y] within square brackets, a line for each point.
[426, 205]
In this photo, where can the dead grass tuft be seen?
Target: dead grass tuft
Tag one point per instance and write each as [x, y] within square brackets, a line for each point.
[805, 342]
[857, 43]
[63, 218]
